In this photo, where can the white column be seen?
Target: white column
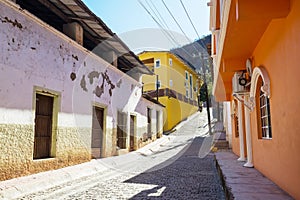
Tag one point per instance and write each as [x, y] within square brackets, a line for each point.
[248, 135]
[241, 132]
[229, 122]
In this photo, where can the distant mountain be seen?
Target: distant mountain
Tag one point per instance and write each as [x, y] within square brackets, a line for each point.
[193, 53]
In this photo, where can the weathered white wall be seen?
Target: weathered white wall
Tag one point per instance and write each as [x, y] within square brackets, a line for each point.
[34, 55]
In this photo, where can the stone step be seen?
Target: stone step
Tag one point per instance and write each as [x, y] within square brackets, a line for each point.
[221, 144]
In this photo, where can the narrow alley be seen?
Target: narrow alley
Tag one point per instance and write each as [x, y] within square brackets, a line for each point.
[169, 168]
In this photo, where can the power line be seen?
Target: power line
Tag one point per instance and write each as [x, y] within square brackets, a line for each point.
[159, 16]
[186, 12]
[176, 21]
[164, 31]
[154, 13]
[189, 18]
[166, 25]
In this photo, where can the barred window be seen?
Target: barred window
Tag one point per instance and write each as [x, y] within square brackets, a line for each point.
[264, 103]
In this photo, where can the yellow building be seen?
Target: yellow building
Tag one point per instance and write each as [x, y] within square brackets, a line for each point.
[177, 82]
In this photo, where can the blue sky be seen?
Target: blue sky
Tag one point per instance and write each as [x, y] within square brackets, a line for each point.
[131, 21]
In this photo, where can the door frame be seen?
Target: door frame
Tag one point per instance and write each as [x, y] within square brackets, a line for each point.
[149, 123]
[56, 109]
[103, 145]
[135, 130]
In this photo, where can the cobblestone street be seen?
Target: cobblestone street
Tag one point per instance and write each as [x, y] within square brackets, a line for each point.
[174, 170]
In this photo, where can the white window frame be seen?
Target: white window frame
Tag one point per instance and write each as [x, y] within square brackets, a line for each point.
[186, 75]
[265, 116]
[155, 63]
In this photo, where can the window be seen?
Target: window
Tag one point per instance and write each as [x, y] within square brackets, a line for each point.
[187, 92]
[191, 86]
[157, 63]
[171, 83]
[264, 104]
[263, 111]
[186, 75]
[170, 62]
[158, 84]
[186, 84]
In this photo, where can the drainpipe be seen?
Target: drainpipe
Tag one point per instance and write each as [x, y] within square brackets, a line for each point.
[241, 132]
[248, 135]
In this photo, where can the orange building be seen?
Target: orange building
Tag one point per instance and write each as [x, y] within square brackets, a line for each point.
[255, 50]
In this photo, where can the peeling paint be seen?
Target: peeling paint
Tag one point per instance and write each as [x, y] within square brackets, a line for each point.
[83, 83]
[92, 75]
[73, 76]
[75, 57]
[99, 90]
[119, 83]
[14, 23]
[107, 79]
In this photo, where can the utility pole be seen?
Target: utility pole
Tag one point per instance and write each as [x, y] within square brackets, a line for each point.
[206, 96]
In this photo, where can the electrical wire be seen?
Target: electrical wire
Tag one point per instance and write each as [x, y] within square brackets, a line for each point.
[164, 31]
[176, 21]
[186, 12]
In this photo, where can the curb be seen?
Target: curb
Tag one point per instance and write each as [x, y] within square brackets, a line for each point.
[227, 190]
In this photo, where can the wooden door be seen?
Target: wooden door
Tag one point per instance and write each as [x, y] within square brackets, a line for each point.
[149, 123]
[97, 132]
[132, 132]
[157, 124]
[43, 126]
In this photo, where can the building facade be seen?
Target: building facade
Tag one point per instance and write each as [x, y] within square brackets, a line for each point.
[255, 51]
[69, 91]
[178, 85]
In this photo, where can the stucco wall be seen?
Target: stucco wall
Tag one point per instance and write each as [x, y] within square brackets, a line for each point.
[36, 58]
[278, 51]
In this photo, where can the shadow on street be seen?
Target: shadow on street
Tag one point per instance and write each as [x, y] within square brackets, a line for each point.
[187, 177]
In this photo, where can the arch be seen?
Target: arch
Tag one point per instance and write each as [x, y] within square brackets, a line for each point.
[257, 72]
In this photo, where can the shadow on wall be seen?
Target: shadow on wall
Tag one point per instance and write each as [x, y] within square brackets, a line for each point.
[175, 179]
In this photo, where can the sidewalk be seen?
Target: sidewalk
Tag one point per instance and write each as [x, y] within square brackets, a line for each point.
[20, 186]
[246, 183]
